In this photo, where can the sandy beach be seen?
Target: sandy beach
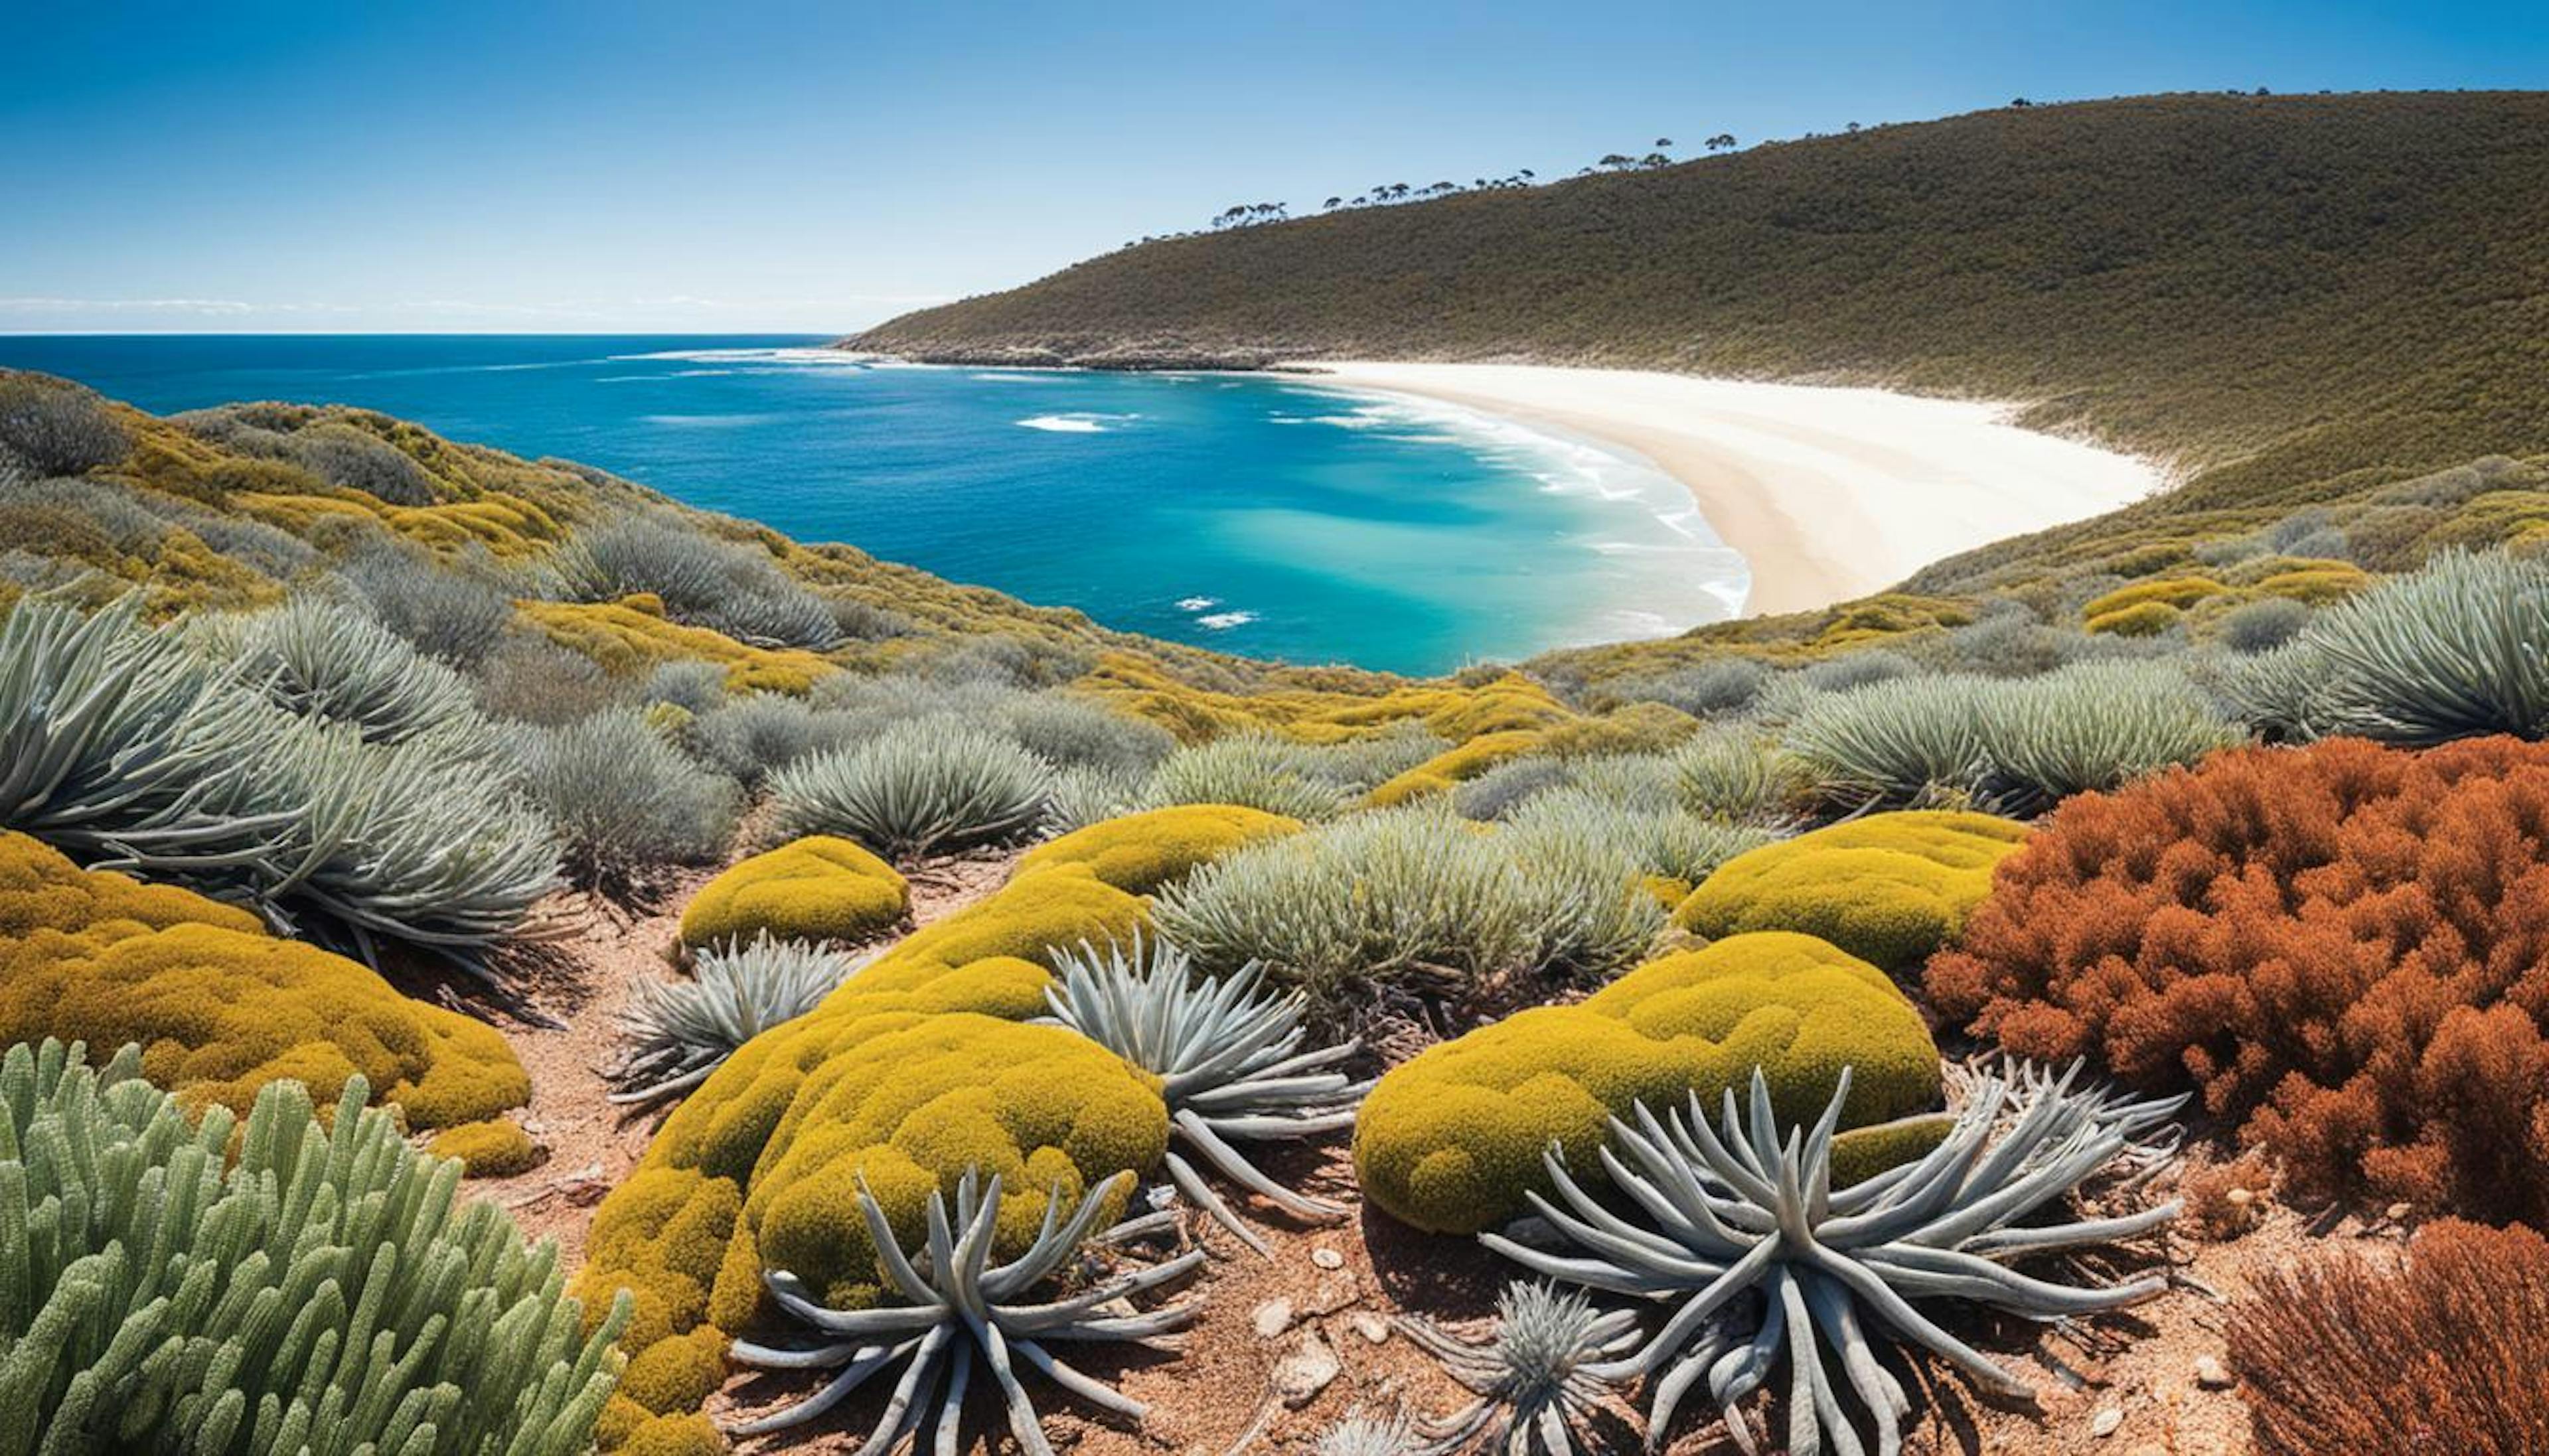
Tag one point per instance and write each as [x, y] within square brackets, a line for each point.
[1829, 493]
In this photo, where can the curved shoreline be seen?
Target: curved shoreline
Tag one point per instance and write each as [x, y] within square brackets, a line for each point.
[1828, 493]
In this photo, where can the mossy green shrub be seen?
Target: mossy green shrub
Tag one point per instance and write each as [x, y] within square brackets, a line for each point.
[218, 1007]
[323, 1289]
[1140, 852]
[2141, 619]
[1451, 1141]
[1888, 888]
[497, 1148]
[818, 889]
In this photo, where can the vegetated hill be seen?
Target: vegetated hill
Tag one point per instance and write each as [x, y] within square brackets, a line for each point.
[2289, 286]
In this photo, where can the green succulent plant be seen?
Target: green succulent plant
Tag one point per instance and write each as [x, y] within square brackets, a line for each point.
[323, 1290]
[1230, 1062]
[965, 1311]
[1536, 1379]
[679, 1032]
[1743, 1215]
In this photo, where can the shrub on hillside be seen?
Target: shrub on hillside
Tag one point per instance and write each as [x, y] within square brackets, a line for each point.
[1704, 689]
[1074, 733]
[2015, 744]
[452, 612]
[324, 1285]
[2262, 625]
[529, 678]
[918, 788]
[1737, 775]
[755, 736]
[334, 665]
[2461, 1326]
[355, 459]
[1373, 903]
[1499, 793]
[818, 889]
[1888, 888]
[729, 586]
[57, 427]
[2344, 949]
[2459, 648]
[622, 800]
[1256, 769]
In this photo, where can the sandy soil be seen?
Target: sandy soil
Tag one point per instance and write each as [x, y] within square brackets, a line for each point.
[1829, 493]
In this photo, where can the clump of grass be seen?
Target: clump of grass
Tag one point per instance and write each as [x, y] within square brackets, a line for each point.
[920, 787]
[1254, 770]
[2457, 649]
[57, 427]
[327, 662]
[624, 801]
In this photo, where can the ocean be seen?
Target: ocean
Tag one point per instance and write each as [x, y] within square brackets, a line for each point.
[1260, 514]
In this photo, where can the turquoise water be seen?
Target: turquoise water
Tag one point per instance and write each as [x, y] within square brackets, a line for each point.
[1254, 514]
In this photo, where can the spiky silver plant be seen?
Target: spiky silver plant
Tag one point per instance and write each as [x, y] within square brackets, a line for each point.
[1229, 1059]
[1358, 1432]
[963, 1311]
[917, 787]
[2457, 648]
[1535, 1381]
[1742, 1211]
[679, 1032]
[325, 661]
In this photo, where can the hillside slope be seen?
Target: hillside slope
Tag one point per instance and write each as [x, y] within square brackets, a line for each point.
[2289, 286]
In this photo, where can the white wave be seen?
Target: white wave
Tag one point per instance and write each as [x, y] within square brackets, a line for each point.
[1196, 604]
[1223, 622]
[995, 376]
[1079, 422]
[711, 421]
[835, 358]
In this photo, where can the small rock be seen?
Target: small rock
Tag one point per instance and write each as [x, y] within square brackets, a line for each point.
[1305, 1371]
[2106, 1422]
[1327, 1258]
[2210, 1374]
[2240, 1197]
[1272, 1317]
[1370, 1325]
[2398, 1213]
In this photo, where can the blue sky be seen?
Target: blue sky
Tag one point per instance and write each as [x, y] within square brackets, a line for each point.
[643, 165]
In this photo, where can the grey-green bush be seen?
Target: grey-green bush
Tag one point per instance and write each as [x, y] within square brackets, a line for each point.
[1376, 900]
[677, 1032]
[1507, 786]
[331, 662]
[731, 586]
[454, 612]
[57, 427]
[1736, 775]
[328, 1290]
[1074, 733]
[622, 800]
[2458, 647]
[2262, 625]
[348, 456]
[1254, 770]
[920, 787]
[753, 737]
[1704, 689]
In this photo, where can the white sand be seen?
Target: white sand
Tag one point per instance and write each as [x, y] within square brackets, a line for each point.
[1830, 493]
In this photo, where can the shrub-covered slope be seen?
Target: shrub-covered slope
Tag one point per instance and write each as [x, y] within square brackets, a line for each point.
[2338, 280]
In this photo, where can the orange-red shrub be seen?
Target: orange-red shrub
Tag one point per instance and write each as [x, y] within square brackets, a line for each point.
[2345, 948]
[2449, 1353]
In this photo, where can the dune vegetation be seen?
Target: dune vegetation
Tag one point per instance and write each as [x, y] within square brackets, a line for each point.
[999, 999]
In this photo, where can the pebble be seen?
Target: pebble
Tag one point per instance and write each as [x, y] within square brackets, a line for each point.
[2210, 1374]
[1371, 1326]
[1272, 1317]
[2106, 1420]
[1301, 1373]
[1327, 1258]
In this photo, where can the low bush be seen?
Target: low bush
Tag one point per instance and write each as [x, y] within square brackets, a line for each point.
[1737, 775]
[1888, 888]
[2447, 1350]
[1375, 903]
[219, 1007]
[1075, 733]
[57, 427]
[1452, 1140]
[819, 889]
[1706, 689]
[1256, 769]
[1499, 793]
[529, 678]
[326, 1286]
[622, 800]
[1143, 853]
[355, 459]
[727, 587]
[329, 662]
[753, 737]
[453, 612]
[497, 1148]
[2459, 648]
[2344, 949]
[2262, 625]
[1657, 844]
[919, 788]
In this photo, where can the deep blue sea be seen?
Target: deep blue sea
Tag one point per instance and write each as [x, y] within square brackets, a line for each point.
[1251, 513]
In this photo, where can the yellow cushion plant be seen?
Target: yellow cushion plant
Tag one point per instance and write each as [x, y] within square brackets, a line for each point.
[1889, 888]
[1451, 1141]
[497, 1148]
[218, 1007]
[916, 1068]
[818, 888]
[1139, 852]
[632, 634]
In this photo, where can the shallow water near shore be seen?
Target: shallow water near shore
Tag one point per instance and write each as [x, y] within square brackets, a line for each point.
[1260, 514]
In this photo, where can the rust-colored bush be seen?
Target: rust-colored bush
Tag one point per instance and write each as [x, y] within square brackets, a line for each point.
[2448, 1352]
[2344, 949]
